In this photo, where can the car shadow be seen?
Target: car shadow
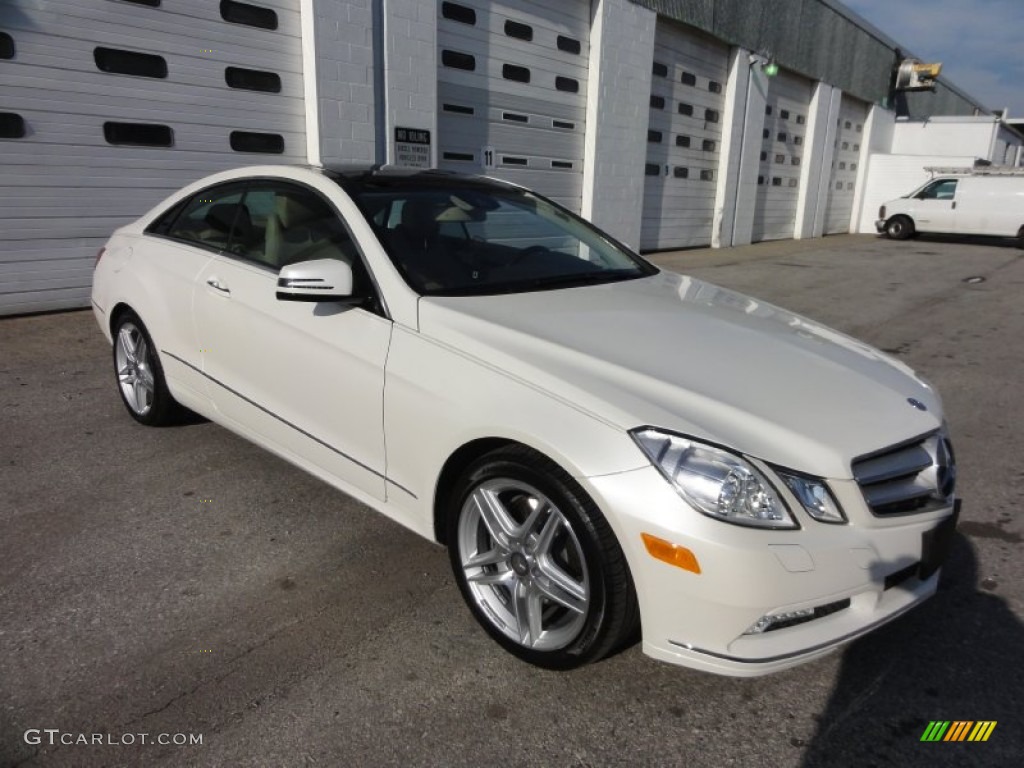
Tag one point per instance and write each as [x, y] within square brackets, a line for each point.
[957, 657]
[185, 418]
[1004, 242]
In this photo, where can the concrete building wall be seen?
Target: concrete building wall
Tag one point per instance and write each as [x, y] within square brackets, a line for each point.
[621, 52]
[821, 39]
[1007, 147]
[410, 70]
[816, 174]
[744, 193]
[736, 118]
[946, 99]
[343, 40]
[878, 132]
[945, 136]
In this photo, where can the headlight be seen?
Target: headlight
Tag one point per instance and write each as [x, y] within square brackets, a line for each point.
[814, 496]
[718, 483]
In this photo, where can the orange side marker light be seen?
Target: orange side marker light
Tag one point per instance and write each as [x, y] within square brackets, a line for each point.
[670, 553]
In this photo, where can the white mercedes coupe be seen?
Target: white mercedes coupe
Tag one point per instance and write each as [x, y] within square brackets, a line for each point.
[608, 450]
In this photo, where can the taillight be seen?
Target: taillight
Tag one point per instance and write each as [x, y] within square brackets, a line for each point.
[99, 255]
[881, 212]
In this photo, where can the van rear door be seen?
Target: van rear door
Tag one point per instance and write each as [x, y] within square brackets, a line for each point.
[991, 205]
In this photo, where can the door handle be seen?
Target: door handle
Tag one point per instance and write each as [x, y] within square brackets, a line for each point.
[954, 205]
[218, 286]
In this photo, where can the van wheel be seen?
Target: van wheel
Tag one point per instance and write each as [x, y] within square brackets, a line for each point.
[899, 228]
[1020, 237]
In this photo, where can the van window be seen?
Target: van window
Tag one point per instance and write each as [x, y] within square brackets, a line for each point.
[943, 189]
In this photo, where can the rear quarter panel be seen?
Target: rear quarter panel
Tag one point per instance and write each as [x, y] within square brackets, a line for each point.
[155, 278]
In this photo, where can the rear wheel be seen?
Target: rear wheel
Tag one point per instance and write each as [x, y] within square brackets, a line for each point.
[140, 377]
[537, 562]
[899, 228]
[1020, 238]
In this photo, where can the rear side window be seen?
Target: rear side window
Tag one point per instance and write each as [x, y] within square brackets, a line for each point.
[163, 223]
[211, 217]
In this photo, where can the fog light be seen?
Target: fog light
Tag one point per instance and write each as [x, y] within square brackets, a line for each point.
[767, 622]
[773, 621]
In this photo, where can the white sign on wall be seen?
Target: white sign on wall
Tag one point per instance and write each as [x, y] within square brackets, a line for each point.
[412, 148]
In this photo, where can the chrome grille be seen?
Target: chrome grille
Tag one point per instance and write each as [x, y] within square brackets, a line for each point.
[912, 477]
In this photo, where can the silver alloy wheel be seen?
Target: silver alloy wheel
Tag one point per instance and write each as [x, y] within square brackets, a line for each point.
[523, 564]
[134, 374]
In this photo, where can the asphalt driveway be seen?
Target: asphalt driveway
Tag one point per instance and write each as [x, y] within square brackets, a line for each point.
[169, 584]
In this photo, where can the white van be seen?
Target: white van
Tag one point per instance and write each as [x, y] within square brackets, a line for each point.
[979, 203]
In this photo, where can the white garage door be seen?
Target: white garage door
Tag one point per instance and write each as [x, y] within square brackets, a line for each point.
[512, 91]
[109, 106]
[684, 137]
[782, 151]
[852, 114]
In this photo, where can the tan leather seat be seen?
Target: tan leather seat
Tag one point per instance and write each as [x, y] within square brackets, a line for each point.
[284, 238]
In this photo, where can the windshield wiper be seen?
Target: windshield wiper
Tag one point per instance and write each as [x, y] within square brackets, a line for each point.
[578, 279]
[541, 283]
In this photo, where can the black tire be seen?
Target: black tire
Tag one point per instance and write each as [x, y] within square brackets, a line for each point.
[158, 408]
[569, 543]
[899, 228]
[1020, 237]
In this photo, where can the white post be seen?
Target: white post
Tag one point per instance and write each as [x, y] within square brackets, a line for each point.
[618, 104]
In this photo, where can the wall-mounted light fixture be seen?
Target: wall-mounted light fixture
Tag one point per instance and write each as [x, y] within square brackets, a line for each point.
[766, 61]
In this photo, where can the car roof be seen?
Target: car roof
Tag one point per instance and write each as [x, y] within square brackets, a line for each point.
[366, 176]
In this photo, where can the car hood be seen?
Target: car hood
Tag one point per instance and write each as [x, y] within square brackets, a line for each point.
[677, 353]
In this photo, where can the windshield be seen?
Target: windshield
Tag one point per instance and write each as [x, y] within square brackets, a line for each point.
[456, 239]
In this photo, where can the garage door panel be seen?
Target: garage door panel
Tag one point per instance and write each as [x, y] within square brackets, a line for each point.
[87, 18]
[683, 137]
[782, 149]
[536, 127]
[845, 161]
[38, 48]
[53, 85]
[543, 48]
[65, 186]
[83, 160]
[91, 112]
[46, 300]
[492, 105]
[488, 78]
[558, 185]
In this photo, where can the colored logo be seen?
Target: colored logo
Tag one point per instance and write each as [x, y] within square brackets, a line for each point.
[958, 730]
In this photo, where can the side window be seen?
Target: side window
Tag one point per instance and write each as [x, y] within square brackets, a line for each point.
[946, 190]
[209, 218]
[943, 189]
[290, 224]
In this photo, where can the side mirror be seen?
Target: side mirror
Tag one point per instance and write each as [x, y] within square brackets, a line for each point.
[316, 280]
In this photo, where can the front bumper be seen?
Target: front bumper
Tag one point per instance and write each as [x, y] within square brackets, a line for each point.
[880, 225]
[859, 575]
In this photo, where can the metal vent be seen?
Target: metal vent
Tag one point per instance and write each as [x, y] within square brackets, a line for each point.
[912, 477]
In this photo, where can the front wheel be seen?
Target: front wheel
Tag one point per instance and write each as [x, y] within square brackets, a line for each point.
[140, 377]
[899, 228]
[537, 562]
